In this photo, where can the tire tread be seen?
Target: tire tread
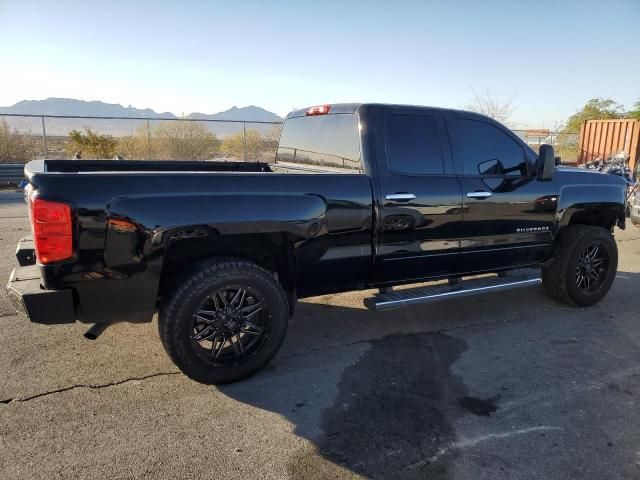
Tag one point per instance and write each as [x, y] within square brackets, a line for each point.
[554, 275]
[217, 267]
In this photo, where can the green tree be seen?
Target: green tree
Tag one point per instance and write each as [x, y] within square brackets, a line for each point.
[91, 144]
[635, 111]
[594, 109]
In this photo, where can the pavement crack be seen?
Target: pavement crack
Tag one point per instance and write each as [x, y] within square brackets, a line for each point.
[99, 386]
[472, 442]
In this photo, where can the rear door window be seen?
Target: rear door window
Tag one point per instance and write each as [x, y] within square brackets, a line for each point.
[483, 149]
[413, 145]
[324, 140]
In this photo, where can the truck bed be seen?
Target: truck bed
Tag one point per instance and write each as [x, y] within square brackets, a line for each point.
[166, 166]
[105, 166]
[325, 220]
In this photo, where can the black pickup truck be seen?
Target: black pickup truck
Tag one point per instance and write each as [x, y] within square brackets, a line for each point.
[359, 196]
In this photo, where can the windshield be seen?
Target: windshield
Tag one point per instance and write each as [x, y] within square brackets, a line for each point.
[327, 140]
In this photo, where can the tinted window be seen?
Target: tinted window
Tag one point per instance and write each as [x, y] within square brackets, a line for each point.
[484, 149]
[413, 144]
[329, 140]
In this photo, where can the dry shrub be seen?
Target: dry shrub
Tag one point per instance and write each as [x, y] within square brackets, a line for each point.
[91, 144]
[170, 141]
[15, 147]
[259, 147]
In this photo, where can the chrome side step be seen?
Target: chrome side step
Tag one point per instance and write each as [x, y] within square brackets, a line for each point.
[414, 296]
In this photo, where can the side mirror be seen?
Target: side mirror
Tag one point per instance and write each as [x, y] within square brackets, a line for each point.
[490, 167]
[546, 162]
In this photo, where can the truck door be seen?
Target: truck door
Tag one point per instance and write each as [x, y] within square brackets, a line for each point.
[508, 214]
[420, 206]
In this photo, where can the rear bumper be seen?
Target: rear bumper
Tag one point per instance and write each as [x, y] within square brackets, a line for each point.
[87, 298]
[40, 305]
[25, 252]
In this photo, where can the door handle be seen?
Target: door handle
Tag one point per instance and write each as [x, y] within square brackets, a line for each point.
[400, 197]
[479, 194]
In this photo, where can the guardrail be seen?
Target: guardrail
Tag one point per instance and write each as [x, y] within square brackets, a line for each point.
[11, 173]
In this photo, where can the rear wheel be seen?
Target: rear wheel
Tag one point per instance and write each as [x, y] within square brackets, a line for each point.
[584, 266]
[225, 322]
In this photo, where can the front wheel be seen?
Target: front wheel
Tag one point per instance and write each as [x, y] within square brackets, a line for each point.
[584, 266]
[225, 321]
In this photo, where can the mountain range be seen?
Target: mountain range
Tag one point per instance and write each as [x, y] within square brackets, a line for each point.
[74, 107]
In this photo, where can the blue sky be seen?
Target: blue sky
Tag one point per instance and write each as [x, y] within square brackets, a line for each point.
[549, 57]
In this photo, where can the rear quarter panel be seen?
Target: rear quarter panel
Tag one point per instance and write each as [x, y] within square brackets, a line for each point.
[126, 221]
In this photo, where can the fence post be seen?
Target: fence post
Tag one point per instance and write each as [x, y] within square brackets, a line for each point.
[244, 136]
[148, 141]
[44, 138]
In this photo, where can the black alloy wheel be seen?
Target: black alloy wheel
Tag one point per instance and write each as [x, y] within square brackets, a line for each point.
[230, 326]
[225, 321]
[583, 267]
[592, 267]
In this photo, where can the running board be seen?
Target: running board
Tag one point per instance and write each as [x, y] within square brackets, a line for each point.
[474, 286]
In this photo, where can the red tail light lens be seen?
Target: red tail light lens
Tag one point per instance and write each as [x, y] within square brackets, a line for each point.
[52, 230]
[319, 110]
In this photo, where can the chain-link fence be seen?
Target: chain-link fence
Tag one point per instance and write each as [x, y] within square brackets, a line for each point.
[24, 137]
[566, 145]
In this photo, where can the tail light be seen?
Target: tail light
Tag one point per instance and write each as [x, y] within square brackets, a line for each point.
[52, 230]
[319, 110]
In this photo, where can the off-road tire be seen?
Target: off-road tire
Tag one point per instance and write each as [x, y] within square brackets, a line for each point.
[559, 275]
[175, 321]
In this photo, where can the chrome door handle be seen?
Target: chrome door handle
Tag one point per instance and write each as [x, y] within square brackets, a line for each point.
[400, 197]
[478, 194]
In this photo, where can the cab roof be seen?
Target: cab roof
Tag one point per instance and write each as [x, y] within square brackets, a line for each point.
[338, 108]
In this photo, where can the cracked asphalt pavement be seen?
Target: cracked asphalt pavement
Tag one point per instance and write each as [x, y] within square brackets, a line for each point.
[508, 385]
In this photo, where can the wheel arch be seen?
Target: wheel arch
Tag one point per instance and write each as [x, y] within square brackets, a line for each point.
[595, 216]
[596, 205]
[272, 251]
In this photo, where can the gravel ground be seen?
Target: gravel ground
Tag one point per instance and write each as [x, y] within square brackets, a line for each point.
[508, 385]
